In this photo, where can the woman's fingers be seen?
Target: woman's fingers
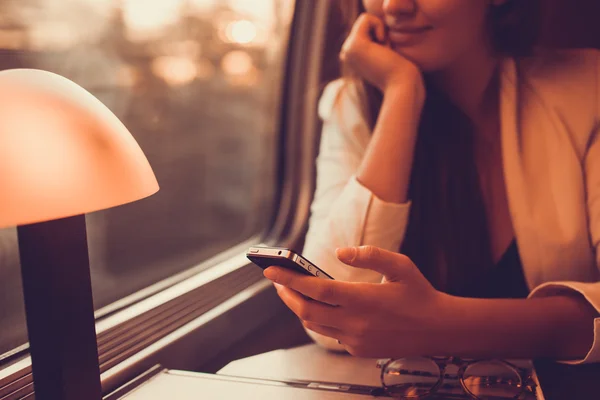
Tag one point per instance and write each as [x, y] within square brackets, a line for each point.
[394, 266]
[367, 53]
[357, 346]
[323, 290]
[370, 26]
[318, 313]
[367, 28]
[306, 309]
[327, 331]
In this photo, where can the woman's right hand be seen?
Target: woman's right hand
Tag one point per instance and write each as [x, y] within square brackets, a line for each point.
[375, 62]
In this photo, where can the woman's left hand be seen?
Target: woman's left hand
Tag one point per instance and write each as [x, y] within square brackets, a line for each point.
[402, 316]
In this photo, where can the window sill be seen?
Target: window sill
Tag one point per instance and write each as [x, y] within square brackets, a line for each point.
[181, 327]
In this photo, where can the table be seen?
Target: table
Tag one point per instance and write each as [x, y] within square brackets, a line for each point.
[312, 363]
[308, 362]
[273, 375]
[182, 385]
[558, 381]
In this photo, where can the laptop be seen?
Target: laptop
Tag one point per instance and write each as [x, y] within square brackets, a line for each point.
[183, 385]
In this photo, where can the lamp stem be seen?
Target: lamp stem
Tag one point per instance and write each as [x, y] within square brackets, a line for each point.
[60, 310]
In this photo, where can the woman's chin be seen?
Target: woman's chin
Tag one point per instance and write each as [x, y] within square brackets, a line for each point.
[417, 56]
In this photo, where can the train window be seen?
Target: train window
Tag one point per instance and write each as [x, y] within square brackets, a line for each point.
[198, 84]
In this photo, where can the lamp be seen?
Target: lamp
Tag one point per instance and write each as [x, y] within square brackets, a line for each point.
[62, 154]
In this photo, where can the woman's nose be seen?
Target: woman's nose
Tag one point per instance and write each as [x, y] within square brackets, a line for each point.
[396, 7]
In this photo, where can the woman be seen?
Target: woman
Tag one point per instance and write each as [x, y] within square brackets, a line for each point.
[476, 159]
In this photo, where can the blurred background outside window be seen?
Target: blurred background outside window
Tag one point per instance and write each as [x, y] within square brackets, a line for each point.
[198, 84]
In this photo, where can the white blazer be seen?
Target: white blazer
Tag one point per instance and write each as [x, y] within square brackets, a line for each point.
[550, 124]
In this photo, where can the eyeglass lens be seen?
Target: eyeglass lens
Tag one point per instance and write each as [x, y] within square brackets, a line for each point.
[489, 380]
[411, 377]
[416, 377]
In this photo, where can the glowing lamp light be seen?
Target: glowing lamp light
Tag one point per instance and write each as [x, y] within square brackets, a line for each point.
[62, 154]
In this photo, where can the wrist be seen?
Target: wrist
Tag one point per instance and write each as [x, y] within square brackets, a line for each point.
[443, 313]
[455, 326]
[513, 328]
[409, 91]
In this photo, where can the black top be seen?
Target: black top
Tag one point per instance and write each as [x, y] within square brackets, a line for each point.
[504, 280]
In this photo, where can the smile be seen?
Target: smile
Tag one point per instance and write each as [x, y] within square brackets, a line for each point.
[406, 35]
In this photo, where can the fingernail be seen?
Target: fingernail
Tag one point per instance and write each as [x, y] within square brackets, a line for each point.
[346, 254]
[270, 273]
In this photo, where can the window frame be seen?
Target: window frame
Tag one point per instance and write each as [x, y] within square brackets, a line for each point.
[243, 311]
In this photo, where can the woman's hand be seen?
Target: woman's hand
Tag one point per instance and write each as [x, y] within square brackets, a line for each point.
[400, 317]
[377, 62]
[405, 316]
[386, 166]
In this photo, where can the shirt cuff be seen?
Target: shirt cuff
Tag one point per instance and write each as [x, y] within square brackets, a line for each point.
[385, 222]
[591, 293]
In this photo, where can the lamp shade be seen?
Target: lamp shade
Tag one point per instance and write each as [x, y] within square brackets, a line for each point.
[63, 152]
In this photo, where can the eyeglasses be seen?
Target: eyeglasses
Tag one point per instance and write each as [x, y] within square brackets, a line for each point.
[419, 378]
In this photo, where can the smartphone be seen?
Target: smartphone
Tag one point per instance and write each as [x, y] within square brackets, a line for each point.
[265, 257]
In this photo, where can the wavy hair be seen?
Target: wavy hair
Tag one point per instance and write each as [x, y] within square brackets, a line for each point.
[447, 235]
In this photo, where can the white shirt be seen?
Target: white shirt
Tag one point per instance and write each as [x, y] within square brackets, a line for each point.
[550, 120]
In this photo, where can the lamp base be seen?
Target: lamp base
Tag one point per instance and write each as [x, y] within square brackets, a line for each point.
[60, 310]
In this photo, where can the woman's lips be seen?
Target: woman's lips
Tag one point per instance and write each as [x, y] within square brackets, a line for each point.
[406, 35]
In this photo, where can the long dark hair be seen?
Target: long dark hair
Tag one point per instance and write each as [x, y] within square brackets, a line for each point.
[447, 235]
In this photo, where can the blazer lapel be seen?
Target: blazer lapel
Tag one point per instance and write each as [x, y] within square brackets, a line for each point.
[544, 184]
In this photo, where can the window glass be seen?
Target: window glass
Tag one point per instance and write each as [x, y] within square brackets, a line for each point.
[198, 84]
[13, 329]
